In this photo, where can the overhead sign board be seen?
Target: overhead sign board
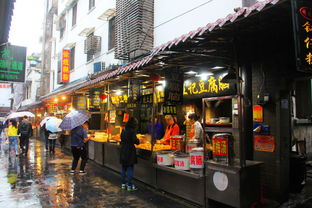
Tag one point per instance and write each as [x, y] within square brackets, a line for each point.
[12, 63]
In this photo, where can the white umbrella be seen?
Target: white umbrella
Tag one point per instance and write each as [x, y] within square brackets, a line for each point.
[53, 124]
[44, 120]
[20, 114]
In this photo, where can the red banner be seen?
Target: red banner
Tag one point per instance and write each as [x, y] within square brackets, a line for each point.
[220, 146]
[264, 143]
[65, 65]
[257, 113]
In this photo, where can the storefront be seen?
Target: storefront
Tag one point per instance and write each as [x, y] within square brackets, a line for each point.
[238, 75]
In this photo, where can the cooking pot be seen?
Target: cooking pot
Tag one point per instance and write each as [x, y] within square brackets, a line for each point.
[197, 158]
[164, 158]
[182, 161]
[190, 145]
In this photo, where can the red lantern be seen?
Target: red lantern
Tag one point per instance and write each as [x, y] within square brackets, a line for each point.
[154, 77]
[42, 109]
[37, 109]
[103, 97]
[47, 105]
[63, 104]
[55, 104]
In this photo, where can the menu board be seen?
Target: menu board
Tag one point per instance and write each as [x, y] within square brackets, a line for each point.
[80, 103]
[264, 143]
[174, 87]
[169, 110]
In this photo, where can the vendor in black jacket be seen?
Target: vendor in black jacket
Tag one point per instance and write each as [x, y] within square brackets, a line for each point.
[128, 153]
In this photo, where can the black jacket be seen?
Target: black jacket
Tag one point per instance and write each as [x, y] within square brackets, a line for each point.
[127, 151]
[27, 131]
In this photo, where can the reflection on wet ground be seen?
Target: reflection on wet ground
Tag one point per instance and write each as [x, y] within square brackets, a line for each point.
[43, 180]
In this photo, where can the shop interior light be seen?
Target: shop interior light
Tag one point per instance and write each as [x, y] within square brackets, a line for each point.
[71, 109]
[191, 72]
[187, 83]
[118, 92]
[218, 67]
[55, 100]
[63, 97]
[205, 75]
[160, 88]
[163, 82]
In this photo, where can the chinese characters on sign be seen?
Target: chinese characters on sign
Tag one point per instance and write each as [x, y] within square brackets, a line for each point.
[169, 109]
[12, 63]
[302, 17]
[65, 65]
[174, 87]
[212, 86]
[220, 146]
[257, 113]
[120, 99]
[147, 99]
[196, 160]
[264, 143]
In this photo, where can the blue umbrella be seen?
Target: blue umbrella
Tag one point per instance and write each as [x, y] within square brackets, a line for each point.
[53, 124]
[74, 119]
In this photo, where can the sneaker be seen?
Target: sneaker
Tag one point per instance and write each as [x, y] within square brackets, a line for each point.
[72, 171]
[132, 188]
[123, 186]
[82, 172]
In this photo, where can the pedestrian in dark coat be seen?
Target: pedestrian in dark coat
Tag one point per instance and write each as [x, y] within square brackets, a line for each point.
[128, 153]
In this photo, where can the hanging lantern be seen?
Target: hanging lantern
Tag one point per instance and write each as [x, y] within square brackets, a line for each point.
[37, 109]
[154, 77]
[55, 104]
[103, 96]
[63, 104]
[47, 105]
[42, 109]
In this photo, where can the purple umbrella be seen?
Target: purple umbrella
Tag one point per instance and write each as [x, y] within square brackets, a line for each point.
[74, 119]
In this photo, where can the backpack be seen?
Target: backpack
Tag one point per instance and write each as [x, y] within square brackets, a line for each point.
[24, 129]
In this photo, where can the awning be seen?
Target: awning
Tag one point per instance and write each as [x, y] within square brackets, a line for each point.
[64, 90]
[241, 14]
[231, 18]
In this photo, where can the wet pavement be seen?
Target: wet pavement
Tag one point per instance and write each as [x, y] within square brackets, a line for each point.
[41, 179]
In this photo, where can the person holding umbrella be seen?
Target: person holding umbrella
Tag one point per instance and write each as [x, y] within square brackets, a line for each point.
[25, 129]
[52, 126]
[77, 122]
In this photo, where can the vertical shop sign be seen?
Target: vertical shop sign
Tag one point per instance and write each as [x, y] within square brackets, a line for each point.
[134, 91]
[95, 98]
[174, 87]
[12, 63]
[65, 65]
[258, 113]
[81, 103]
[112, 116]
[302, 27]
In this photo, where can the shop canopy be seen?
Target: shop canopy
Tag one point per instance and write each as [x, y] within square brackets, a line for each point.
[206, 44]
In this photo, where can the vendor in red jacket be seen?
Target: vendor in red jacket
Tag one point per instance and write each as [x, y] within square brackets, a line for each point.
[172, 129]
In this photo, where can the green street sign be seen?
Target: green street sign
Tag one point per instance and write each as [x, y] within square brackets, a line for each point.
[12, 63]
